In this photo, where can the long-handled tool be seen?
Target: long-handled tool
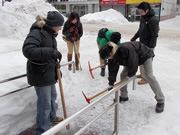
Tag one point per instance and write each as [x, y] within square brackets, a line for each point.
[91, 69]
[75, 47]
[89, 99]
[72, 128]
[62, 95]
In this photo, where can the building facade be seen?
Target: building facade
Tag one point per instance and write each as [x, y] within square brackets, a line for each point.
[164, 9]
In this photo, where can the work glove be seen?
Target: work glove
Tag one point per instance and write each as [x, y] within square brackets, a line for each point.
[74, 38]
[57, 55]
[133, 39]
[71, 29]
[110, 87]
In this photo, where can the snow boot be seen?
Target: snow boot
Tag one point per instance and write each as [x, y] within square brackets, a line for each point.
[102, 72]
[141, 82]
[159, 107]
[139, 76]
[122, 99]
[57, 120]
[69, 59]
[77, 61]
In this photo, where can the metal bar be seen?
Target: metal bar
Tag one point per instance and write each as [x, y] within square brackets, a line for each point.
[21, 76]
[13, 78]
[134, 83]
[67, 121]
[116, 113]
[15, 91]
[96, 118]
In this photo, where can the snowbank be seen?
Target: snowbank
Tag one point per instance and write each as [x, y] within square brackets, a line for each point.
[18, 15]
[104, 17]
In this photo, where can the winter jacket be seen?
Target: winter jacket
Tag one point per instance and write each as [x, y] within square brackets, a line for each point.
[103, 41]
[39, 48]
[129, 54]
[148, 29]
[78, 30]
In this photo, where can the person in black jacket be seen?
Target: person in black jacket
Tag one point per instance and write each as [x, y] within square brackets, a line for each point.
[131, 55]
[72, 32]
[147, 33]
[40, 49]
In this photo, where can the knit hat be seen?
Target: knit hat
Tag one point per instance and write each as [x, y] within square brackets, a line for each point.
[54, 18]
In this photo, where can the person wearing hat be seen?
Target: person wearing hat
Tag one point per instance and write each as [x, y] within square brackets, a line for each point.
[73, 31]
[40, 49]
[147, 32]
[130, 55]
[104, 36]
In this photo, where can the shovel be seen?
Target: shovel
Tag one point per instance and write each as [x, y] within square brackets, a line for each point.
[70, 130]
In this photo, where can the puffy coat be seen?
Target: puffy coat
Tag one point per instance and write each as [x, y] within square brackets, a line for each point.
[129, 54]
[39, 48]
[103, 41]
[148, 29]
[69, 35]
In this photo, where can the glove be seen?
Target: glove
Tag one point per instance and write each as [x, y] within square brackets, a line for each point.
[71, 29]
[133, 39]
[110, 87]
[74, 38]
[56, 55]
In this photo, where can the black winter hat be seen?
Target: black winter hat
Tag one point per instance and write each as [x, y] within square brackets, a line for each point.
[105, 50]
[115, 37]
[54, 18]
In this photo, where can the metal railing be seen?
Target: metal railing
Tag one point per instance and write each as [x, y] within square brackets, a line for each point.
[73, 117]
[24, 75]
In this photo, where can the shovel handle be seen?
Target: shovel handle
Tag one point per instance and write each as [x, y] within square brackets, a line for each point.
[107, 89]
[62, 95]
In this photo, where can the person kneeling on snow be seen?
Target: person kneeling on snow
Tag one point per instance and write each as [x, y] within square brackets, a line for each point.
[104, 36]
[131, 55]
[40, 48]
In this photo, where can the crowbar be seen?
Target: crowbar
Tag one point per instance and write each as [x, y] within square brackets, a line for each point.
[89, 99]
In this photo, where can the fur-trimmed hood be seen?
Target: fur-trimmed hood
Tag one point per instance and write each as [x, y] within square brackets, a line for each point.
[40, 22]
[114, 47]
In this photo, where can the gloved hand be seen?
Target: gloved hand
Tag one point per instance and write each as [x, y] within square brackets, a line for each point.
[71, 29]
[56, 55]
[133, 39]
[74, 38]
[110, 87]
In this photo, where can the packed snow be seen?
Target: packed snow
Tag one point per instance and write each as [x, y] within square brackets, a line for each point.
[137, 116]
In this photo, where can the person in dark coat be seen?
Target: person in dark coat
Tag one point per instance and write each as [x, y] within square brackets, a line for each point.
[147, 32]
[131, 55]
[40, 49]
[72, 32]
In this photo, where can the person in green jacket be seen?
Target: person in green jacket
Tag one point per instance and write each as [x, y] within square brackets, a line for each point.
[104, 36]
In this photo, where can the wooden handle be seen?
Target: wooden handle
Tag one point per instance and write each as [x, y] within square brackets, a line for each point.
[107, 89]
[62, 95]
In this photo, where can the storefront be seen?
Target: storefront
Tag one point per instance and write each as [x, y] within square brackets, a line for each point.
[129, 7]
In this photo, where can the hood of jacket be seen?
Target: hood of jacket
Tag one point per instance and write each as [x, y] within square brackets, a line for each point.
[149, 14]
[41, 23]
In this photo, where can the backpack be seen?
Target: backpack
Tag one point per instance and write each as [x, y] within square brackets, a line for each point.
[101, 33]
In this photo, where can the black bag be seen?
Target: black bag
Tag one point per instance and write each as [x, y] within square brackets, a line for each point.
[101, 33]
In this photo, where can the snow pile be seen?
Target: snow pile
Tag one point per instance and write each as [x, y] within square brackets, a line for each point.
[18, 15]
[109, 16]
